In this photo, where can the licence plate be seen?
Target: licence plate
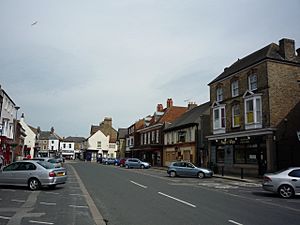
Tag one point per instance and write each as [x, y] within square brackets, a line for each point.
[60, 174]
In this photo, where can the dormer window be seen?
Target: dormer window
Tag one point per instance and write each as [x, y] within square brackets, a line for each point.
[219, 94]
[252, 81]
[235, 88]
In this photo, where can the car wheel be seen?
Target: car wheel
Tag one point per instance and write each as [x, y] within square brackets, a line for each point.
[126, 166]
[286, 191]
[106, 163]
[34, 184]
[142, 167]
[172, 174]
[200, 175]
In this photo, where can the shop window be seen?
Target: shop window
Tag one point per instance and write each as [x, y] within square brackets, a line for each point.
[245, 154]
[220, 154]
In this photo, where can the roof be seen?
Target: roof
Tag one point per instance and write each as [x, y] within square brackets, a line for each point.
[33, 129]
[270, 51]
[122, 132]
[172, 114]
[47, 135]
[75, 139]
[190, 117]
[106, 130]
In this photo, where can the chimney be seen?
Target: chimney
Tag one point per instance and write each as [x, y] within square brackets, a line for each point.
[287, 48]
[298, 52]
[52, 130]
[192, 105]
[159, 108]
[107, 121]
[22, 118]
[169, 102]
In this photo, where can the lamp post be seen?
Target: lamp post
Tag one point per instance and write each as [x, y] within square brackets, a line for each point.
[15, 133]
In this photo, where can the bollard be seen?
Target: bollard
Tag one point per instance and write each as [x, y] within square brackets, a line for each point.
[242, 173]
[222, 171]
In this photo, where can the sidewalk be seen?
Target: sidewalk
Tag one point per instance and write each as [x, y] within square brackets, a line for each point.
[231, 177]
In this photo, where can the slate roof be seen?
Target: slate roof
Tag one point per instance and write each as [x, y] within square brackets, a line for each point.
[190, 117]
[33, 129]
[270, 51]
[75, 139]
[47, 135]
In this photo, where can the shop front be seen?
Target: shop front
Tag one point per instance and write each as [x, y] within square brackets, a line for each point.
[179, 153]
[6, 149]
[251, 155]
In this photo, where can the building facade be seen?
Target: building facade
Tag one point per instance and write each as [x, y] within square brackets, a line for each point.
[250, 101]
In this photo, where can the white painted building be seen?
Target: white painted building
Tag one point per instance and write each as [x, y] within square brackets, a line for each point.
[67, 149]
[30, 138]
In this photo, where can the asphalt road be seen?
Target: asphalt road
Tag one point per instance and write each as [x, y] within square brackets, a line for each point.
[134, 197]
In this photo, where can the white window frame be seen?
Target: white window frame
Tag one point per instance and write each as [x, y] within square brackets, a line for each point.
[235, 88]
[219, 93]
[257, 112]
[219, 125]
[252, 82]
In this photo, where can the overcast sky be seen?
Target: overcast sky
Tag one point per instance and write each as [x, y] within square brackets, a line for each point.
[86, 60]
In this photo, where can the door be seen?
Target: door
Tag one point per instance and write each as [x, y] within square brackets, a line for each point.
[295, 179]
[7, 174]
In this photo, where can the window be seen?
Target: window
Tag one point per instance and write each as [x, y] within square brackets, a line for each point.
[235, 88]
[219, 94]
[245, 154]
[294, 173]
[98, 144]
[253, 113]
[157, 136]
[153, 137]
[235, 115]
[219, 118]
[64, 145]
[181, 136]
[70, 145]
[252, 81]
[52, 142]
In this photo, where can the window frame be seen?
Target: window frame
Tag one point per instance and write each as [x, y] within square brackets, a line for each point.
[219, 94]
[252, 82]
[234, 107]
[256, 111]
[234, 89]
[219, 125]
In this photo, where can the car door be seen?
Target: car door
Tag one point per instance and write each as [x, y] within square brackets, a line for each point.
[182, 170]
[6, 174]
[295, 179]
[22, 173]
[191, 171]
[134, 163]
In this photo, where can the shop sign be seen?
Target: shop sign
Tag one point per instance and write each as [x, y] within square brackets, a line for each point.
[228, 142]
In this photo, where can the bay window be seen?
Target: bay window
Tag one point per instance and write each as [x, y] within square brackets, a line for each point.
[219, 119]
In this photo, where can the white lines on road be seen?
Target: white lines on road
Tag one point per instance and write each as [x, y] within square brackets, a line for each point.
[79, 206]
[53, 193]
[176, 199]
[234, 222]
[140, 185]
[17, 200]
[39, 222]
[4, 217]
[81, 195]
[8, 190]
[47, 203]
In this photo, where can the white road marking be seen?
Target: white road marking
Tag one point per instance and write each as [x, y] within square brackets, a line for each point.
[176, 199]
[17, 200]
[53, 193]
[4, 217]
[79, 206]
[140, 185]
[47, 203]
[39, 222]
[8, 190]
[234, 222]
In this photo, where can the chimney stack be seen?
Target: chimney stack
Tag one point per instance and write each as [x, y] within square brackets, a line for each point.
[107, 121]
[169, 102]
[287, 48]
[192, 105]
[159, 108]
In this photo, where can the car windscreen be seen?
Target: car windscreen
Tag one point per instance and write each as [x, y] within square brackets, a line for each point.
[46, 165]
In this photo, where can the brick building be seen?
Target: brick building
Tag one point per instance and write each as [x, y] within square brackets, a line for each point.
[254, 106]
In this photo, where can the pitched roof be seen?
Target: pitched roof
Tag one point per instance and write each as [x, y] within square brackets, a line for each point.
[47, 135]
[75, 139]
[190, 117]
[171, 114]
[33, 129]
[106, 130]
[270, 51]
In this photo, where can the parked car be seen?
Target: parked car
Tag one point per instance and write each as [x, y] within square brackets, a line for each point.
[122, 162]
[33, 174]
[136, 163]
[55, 161]
[284, 182]
[110, 161]
[188, 169]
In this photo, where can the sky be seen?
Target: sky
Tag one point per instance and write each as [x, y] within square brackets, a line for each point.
[70, 63]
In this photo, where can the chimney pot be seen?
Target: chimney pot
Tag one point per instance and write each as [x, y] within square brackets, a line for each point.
[169, 102]
[159, 108]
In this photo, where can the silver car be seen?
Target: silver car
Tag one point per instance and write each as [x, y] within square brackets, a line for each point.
[187, 169]
[285, 182]
[33, 174]
[55, 161]
[136, 163]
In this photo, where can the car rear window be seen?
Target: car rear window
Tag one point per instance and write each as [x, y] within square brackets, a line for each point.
[46, 165]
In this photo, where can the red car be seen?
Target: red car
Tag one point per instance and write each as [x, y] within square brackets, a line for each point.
[122, 162]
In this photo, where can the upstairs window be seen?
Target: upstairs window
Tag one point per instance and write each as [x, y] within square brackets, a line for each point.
[219, 94]
[219, 119]
[235, 115]
[181, 136]
[98, 144]
[253, 112]
[252, 81]
[235, 88]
